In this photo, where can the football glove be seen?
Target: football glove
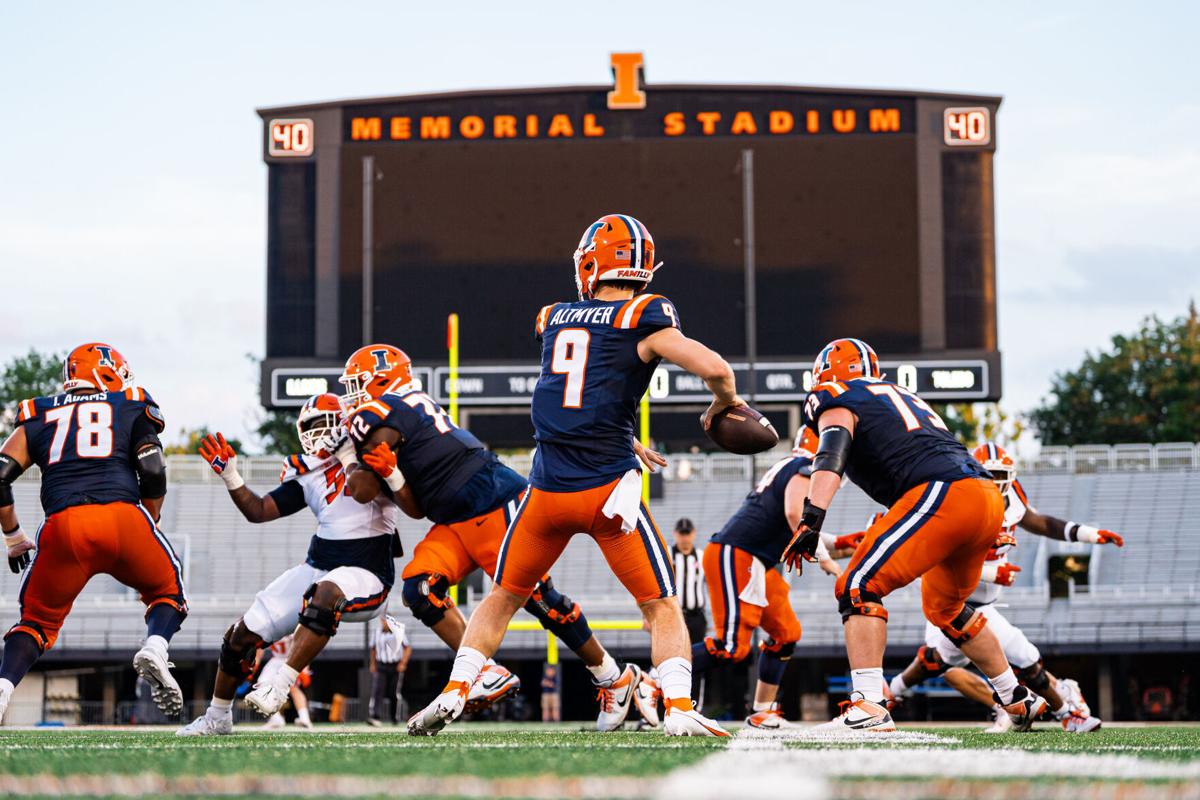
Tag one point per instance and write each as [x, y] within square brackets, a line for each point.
[223, 460]
[1109, 537]
[382, 460]
[848, 541]
[20, 547]
[1006, 574]
[803, 546]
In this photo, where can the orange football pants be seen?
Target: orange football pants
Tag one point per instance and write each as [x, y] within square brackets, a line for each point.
[940, 532]
[727, 571]
[456, 550]
[545, 523]
[74, 544]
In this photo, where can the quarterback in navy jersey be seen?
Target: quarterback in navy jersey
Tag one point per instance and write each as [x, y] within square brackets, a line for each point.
[435, 469]
[598, 355]
[103, 483]
[942, 518]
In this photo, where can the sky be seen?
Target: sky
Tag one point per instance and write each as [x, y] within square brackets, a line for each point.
[133, 193]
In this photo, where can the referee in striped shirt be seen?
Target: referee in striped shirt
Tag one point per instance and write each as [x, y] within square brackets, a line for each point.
[689, 578]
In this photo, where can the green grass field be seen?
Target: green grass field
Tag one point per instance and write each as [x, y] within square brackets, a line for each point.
[476, 760]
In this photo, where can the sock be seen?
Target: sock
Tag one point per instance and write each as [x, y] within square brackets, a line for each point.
[302, 715]
[20, 652]
[163, 620]
[868, 683]
[468, 663]
[157, 642]
[220, 706]
[1004, 684]
[761, 706]
[898, 686]
[1062, 712]
[675, 678]
[291, 674]
[606, 672]
[491, 662]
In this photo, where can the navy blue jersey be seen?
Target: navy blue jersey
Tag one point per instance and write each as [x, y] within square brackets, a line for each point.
[453, 476]
[85, 444]
[591, 382]
[760, 526]
[899, 441]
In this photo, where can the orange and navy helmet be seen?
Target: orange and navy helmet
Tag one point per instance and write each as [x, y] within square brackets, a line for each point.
[615, 247]
[806, 442]
[998, 463]
[320, 424]
[96, 366]
[372, 372]
[845, 360]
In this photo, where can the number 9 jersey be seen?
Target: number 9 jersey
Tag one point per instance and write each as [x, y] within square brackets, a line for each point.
[899, 440]
[84, 445]
[591, 382]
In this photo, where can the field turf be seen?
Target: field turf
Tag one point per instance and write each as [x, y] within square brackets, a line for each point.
[476, 760]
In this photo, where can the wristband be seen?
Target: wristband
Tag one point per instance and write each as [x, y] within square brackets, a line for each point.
[990, 573]
[813, 517]
[14, 537]
[1083, 533]
[346, 454]
[395, 482]
[232, 479]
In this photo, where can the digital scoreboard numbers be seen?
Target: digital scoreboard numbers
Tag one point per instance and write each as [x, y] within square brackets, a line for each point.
[290, 138]
[967, 127]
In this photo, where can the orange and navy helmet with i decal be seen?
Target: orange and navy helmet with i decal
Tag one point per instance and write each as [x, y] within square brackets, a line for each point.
[616, 247]
[844, 360]
[96, 366]
[372, 372]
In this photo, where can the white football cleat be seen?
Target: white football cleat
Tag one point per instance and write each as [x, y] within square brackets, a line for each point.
[493, 684]
[152, 666]
[859, 715]
[616, 699]
[446, 707]
[1001, 721]
[770, 719]
[1080, 723]
[275, 722]
[208, 725]
[270, 693]
[682, 719]
[1024, 708]
[6, 693]
[646, 697]
[1072, 695]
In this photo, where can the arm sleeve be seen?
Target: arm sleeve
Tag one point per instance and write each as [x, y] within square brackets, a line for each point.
[288, 497]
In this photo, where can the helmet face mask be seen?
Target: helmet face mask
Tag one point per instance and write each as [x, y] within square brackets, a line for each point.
[320, 425]
[998, 463]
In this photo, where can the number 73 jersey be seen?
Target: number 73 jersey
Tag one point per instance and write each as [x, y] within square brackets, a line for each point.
[899, 441]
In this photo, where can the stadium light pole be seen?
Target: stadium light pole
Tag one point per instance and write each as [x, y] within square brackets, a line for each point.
[751, 290]
[368, 249]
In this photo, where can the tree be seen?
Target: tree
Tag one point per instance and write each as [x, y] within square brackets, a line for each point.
[278, 433]
[31, 375]
[973, 423]
[188, 442]
[1146, 388]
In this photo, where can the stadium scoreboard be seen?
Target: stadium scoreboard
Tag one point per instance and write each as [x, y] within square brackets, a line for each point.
[873, 217]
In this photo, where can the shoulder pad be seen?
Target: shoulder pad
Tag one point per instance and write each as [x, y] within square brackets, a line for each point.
[27, 410]
[646, 312]
[543, 318]
[137, 394]
[295, 466]
[374, 411]
[834, 388]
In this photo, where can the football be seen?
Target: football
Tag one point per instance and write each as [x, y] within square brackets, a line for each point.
[742, 430]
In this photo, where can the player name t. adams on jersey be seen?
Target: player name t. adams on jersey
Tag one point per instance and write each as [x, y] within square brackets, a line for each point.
[592, 379]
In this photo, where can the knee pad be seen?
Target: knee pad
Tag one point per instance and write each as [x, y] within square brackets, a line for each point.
[427, 596]
[1035, 677]
[965, 626]
[559, 614]
[866, 604]
[931, 660]
[318, 619]
[234, 661]
[33, 631]
[773, 660]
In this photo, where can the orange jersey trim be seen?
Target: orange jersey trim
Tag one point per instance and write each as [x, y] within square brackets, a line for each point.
[135, 393]
[630, 314]
[378, 406]
[27, 411]
[835, 387]
[543, 318]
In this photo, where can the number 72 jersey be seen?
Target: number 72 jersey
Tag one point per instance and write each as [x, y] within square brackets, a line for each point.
[899, 440]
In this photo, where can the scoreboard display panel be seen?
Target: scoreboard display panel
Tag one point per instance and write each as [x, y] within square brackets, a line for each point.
[872, 217]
